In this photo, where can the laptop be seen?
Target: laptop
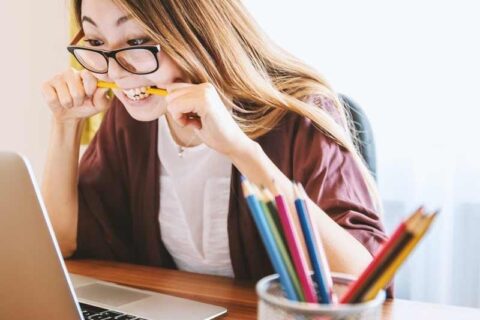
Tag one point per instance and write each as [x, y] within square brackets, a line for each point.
[34, 283]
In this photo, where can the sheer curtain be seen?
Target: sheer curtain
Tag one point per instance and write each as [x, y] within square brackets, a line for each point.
[414, 68]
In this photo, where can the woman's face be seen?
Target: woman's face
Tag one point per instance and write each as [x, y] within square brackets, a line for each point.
[107, 27]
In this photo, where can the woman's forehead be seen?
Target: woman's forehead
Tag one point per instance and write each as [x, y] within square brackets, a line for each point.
[104, 14]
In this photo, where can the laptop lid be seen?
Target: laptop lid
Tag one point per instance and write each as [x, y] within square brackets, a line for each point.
[33, 280]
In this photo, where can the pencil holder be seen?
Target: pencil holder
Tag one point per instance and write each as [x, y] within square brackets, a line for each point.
[273, 305]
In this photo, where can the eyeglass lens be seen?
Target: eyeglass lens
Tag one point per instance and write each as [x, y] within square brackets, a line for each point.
[133, 60]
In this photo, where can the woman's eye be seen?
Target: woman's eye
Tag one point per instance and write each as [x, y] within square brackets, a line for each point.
[94, 42]
[138, 42]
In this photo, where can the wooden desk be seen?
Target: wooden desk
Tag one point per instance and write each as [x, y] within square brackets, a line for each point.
[239, 298]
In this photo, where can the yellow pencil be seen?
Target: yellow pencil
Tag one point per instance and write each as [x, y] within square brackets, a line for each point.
[112, 85]
[387, 276]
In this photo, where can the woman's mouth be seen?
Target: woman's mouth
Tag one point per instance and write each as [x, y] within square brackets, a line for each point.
[136, 94]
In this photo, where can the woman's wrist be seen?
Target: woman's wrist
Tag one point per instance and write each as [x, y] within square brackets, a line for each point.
[252, 162]
[66, 123]
[243, 150]
[67, 131]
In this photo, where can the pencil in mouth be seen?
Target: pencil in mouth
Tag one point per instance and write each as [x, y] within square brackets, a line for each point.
[135, 93]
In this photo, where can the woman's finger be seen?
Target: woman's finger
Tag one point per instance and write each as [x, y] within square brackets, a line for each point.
[189, 120]
[100, 99]
[63, 93]
[172, 95]
[178, 85]
[50, 96]
[186, 109]
[89, 82]
[75, 86]
[185, 104]
[176, 89]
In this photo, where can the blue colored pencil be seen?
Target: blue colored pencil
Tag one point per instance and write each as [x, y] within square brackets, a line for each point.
[268, 240]
[321, 250]
[313, 251]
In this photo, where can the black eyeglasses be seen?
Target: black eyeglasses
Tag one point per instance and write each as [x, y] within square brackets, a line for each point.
[137, 60]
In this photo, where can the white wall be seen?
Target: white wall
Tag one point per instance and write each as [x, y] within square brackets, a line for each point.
[33, 36]
[406, 62]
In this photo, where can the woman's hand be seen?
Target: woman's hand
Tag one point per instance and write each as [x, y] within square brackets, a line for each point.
[73, 95]
[199, 106]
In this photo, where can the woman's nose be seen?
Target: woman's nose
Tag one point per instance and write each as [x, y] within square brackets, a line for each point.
[115, 71]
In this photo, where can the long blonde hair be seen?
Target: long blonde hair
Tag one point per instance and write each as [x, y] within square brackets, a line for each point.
[217, 41]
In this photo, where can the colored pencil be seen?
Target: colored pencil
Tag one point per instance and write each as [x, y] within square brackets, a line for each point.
[367, 277]
[319, 244]
[298, 255]
[313, 250]
[269, 200]
[280, 244]
[283, 235]
[397, 246]
[420, 230]
[113, 85]
[268, 241]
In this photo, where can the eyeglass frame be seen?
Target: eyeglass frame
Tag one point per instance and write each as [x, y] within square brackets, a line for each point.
[154, 49]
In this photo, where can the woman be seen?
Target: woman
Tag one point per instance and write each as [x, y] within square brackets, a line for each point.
[160, 182]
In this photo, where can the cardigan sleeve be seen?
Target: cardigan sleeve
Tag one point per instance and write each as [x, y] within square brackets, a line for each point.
[333, 180]
[103, 203]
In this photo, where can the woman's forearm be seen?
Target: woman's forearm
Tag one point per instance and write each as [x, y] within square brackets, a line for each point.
[59, 187]
[345, 253]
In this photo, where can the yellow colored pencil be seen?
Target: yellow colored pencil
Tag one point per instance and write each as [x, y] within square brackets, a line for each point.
[389, 273]
[112, 85]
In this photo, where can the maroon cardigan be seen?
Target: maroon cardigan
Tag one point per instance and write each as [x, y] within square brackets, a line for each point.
[119, 193]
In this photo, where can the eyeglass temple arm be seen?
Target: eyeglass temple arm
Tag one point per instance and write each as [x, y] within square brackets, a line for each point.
[79, 35]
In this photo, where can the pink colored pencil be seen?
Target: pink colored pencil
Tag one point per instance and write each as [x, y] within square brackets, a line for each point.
[293, 242]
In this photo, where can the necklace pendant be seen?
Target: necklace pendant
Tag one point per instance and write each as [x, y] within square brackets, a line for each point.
[180, 152]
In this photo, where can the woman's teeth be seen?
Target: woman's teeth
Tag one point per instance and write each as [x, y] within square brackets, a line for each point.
[136, 94]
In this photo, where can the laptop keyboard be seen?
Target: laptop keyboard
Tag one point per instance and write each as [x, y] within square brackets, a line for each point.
[96, 313]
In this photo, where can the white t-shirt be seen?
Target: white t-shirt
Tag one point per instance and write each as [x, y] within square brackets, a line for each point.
[194, 200]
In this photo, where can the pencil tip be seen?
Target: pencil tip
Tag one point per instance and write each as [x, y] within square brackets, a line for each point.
[296, 192]
[274, 186]
[434, 214]
[246, 187]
